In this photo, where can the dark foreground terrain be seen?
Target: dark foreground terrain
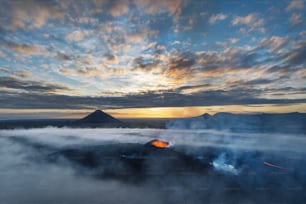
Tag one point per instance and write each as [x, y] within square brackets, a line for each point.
[74, 168]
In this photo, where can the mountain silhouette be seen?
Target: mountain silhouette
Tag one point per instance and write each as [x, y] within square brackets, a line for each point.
[99, 117]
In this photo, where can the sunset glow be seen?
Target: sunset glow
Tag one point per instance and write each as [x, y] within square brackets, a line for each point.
[151, 59]
[165, 112]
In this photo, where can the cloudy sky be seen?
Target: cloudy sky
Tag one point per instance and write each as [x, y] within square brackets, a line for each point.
[58, 55]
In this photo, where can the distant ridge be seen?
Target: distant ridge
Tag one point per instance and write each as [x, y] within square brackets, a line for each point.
[99, 116]
[206, 115]
[263, 122]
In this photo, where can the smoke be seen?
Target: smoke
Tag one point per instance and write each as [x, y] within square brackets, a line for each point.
[65, 165]
[222, 164]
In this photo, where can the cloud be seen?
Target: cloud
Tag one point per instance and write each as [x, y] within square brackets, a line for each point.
[110, 58]
[180, 65]
[231, 59]
[27, 49]
[295, 19]
[85, 72]
[274, 43]
[253, 83]
[92, 72]
[217, 17]
[252, 21]
[24, 74]
[119, 8]
[295, 5]
[239, 20]
[193, 88]
[297, 56]
[141, 36]
[2, 54]
[95, 42]
[114, 8]
[65, 57]
[29, 86]
[159, 6]
[32, 14]
[135, 38]
[221, 44]
[88, 20]
[165, 98]
[234, 40]
[149, 67]
[78, 35]
[4, 70]
[283, 69]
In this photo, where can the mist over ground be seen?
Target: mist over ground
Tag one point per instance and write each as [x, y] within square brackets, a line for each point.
[66, 165]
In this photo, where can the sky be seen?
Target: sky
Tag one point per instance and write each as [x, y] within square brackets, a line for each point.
[141, 58]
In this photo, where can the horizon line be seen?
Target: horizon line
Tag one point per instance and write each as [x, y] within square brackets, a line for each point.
[150, 112]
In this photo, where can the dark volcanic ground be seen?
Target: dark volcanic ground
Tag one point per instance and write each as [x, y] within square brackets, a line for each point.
[54, 165]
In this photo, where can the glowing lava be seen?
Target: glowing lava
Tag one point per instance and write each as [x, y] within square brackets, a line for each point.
[159, 143]
[275, 166]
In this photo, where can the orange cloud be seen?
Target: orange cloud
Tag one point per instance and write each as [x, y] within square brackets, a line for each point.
[78, 35]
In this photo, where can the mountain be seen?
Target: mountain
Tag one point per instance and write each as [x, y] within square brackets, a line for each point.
[96, 119]
[273, 122]
[99, 117]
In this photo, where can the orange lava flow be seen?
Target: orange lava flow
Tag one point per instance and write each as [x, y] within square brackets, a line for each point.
[275, 166]
[159, 144]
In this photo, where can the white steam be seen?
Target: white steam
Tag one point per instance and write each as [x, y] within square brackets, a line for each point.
[222, 165]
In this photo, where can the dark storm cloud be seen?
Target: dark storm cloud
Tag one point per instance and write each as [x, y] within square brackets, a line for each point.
[31, 86]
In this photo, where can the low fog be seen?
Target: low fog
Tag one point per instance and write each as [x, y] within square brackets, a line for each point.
[65, 165]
